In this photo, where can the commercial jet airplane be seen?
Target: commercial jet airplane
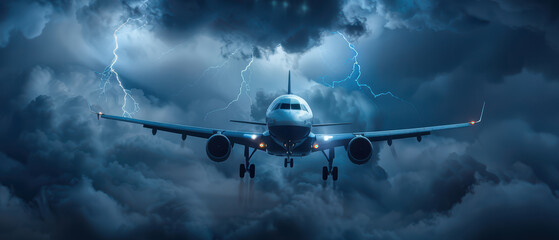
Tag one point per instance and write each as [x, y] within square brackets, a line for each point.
[289, 122]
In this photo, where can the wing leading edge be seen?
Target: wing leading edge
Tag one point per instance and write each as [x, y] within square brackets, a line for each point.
[244, 138]
[326, 141]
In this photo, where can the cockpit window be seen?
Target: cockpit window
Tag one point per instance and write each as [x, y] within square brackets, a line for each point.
[293, 105]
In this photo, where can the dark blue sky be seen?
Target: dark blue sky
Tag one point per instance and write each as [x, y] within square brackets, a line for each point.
[66, 175]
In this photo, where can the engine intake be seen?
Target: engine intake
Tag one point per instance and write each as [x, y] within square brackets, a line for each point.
[218, 148]
[359, 150]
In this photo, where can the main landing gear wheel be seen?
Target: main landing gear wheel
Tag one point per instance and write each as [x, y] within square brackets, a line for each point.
[242, 171]
[251, 170]
[324, 173]
[291, 163]
[335, 173]
[285, 162]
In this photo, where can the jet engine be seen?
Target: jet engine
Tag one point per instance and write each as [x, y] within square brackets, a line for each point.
[359, 150]
[218, 148]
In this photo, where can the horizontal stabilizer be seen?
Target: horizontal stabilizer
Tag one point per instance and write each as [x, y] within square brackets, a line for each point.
[248, 122]
[330, 124]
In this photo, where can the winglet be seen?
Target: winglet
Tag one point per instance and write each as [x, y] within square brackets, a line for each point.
[481, 115]
[289, 83]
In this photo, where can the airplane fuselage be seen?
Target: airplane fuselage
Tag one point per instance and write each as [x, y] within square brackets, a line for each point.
[289, 120]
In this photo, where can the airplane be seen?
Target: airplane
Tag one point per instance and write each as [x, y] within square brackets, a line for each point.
[289, 123]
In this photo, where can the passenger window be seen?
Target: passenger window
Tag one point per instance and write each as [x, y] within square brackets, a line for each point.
[284, 106]
[296, 106]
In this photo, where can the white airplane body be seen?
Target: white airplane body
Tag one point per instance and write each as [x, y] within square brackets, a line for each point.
[289, 122]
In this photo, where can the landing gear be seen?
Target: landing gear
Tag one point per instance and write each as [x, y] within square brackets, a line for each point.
[329, 170]
[251, 168]
[290, 162]
[326, 172]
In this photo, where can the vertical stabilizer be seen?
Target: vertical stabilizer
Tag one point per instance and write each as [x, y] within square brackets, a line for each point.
[289, 83]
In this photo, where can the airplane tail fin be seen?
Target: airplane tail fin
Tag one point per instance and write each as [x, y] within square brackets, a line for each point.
[289, 83]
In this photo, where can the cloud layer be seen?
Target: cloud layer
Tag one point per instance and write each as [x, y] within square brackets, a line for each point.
[66, 175]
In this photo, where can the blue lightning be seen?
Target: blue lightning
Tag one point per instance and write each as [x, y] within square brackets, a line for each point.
[244, 84]
[110, 71]
[357, 68]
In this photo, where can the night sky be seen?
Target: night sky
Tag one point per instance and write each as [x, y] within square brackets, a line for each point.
[66, 175]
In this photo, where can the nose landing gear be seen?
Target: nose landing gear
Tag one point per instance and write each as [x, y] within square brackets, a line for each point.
[329, 170]
[290, 162]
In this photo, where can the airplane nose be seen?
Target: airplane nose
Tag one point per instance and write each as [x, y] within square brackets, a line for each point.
[289, 125]
[288, 118]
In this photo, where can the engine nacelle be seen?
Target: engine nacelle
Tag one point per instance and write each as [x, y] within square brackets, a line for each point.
[359, 150]
[218, 148]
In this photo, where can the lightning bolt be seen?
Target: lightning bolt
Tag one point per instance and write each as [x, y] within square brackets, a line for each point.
[244, 84]
[110, 71]
[356, 70]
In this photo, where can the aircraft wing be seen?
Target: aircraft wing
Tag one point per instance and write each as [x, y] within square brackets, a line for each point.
[243, 138]
[326, 141]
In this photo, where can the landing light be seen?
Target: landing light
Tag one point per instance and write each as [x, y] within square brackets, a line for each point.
[253, 136]
[326, 138]
[315, 146]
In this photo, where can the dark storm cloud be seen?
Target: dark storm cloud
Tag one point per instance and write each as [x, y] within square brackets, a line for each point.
[466, 15]
[66, 175]
[261, 103]
[486, 212]
[23, 17]
[296, 25]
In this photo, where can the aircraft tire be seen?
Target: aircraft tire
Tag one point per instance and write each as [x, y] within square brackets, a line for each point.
[324, 173]
[242, 171]
[335, 173]
[251, 170]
